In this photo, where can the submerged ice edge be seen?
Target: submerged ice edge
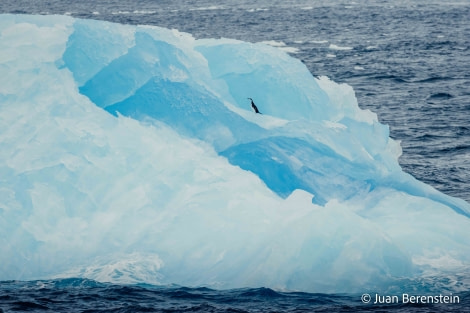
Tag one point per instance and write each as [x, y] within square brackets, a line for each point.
[150, 193]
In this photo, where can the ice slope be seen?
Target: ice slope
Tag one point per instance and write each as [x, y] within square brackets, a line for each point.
[130, 154]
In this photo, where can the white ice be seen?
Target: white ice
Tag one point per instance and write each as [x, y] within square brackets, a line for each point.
[130, 154]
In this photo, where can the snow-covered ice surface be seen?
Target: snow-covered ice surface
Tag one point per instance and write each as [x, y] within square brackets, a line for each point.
[130, 154]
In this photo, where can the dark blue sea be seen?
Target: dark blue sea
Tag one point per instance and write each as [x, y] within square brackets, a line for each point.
[408, 61]
[82, 295]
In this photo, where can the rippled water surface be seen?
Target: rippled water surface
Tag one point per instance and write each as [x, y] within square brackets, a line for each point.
[81, 295]
[408, 61]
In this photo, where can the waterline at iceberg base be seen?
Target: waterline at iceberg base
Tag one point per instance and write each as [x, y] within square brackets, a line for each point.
[131, 154]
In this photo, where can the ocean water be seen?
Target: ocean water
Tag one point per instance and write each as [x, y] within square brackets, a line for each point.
[408, 61]
[81, 295]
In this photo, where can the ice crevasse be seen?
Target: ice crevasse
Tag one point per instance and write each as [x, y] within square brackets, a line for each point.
[131, 154]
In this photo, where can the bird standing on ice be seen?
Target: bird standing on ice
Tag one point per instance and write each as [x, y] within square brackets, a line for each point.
[253, 105]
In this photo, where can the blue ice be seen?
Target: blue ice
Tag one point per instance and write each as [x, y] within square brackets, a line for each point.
[131, 154]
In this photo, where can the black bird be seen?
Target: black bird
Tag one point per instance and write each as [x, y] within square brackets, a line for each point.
[253, 105]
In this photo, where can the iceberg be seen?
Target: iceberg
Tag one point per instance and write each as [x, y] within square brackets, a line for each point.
[130, 154]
